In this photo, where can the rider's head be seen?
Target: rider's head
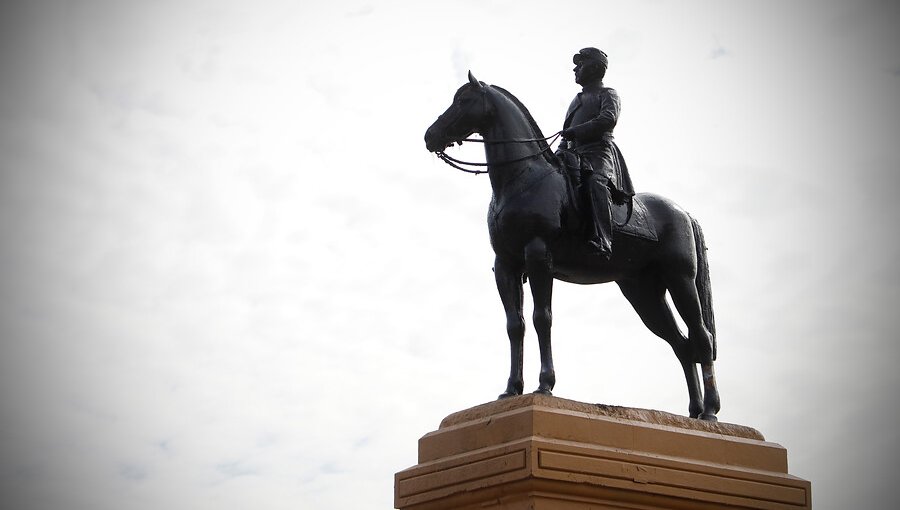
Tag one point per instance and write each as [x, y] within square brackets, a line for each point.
[590, 65]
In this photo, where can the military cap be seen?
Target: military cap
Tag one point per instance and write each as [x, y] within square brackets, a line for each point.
[590, 54]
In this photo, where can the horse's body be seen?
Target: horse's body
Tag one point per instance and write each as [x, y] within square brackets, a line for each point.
[533, 223]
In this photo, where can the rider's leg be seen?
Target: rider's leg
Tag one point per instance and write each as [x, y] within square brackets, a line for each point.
[601, 219]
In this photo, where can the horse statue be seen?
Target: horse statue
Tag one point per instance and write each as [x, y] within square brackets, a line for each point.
[533, 221]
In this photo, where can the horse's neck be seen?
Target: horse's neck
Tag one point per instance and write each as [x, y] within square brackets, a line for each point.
[511, 123]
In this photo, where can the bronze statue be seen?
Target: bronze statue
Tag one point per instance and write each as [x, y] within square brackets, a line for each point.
[587, 132]
[536, 230]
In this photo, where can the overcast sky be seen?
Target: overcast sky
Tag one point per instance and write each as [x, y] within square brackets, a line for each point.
[232, 276]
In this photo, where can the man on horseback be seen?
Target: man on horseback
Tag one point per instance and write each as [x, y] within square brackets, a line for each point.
[587, 132]
[531, 236]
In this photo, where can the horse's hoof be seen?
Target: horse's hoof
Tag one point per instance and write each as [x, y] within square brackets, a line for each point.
[543, 391]
[509, 393]
[709, 417]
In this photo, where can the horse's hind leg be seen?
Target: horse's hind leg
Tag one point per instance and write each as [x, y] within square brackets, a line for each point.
[509, 285]
[710, 392]
[648, 297]
[684, 294]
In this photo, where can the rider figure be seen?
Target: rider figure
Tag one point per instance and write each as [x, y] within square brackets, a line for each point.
[587, 131]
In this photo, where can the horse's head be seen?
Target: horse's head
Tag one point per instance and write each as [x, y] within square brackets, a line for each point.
[468, 114]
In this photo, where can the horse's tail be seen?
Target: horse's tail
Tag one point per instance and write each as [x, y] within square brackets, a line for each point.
[704, 289]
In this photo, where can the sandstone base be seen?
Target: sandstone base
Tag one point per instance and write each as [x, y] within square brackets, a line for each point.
[536, 452]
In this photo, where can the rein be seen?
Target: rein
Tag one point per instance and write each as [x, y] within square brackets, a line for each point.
[455, 163]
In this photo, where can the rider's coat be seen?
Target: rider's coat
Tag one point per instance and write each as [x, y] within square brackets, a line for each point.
[592, 115]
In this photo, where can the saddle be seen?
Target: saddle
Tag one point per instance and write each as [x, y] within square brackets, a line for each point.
[629, 217]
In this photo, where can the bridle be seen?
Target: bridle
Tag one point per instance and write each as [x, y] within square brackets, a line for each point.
[455, 163]
[450, 160]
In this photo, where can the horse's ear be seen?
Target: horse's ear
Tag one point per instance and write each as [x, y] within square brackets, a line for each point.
[473, 81]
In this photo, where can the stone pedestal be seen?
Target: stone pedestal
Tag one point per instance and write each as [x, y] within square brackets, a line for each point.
[536, 452]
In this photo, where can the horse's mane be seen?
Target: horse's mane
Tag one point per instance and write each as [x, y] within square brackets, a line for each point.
[548, 155]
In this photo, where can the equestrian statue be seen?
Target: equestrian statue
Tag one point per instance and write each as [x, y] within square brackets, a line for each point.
[572, 215]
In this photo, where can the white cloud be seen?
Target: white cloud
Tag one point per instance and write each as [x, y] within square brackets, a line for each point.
[233, 276]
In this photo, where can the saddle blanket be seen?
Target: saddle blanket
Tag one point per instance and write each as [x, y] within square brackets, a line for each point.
[637, 224]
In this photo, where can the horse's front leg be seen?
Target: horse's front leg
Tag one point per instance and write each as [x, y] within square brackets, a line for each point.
[509, 284]
[538, 265]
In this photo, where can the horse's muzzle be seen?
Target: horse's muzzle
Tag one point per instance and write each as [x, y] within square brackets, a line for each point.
[432, 142]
